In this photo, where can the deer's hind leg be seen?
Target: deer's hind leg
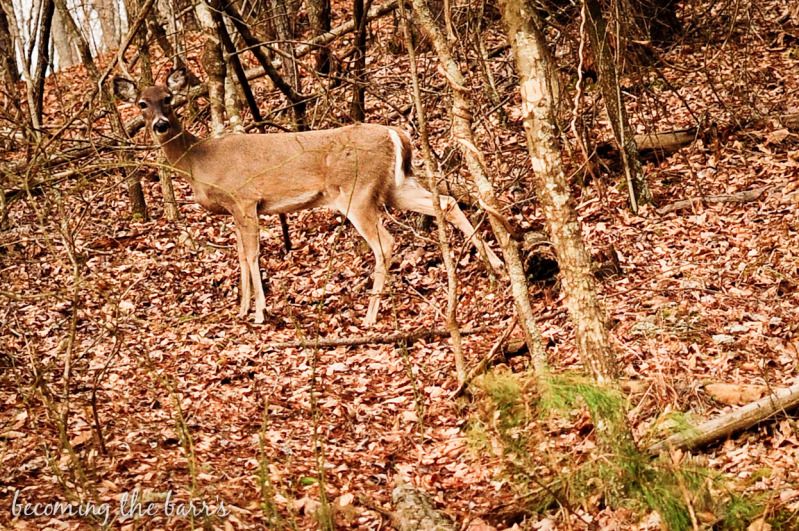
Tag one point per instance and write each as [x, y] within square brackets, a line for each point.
[245, 284]
[411, 196]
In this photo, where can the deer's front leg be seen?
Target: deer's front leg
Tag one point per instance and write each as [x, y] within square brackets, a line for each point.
[251, 244]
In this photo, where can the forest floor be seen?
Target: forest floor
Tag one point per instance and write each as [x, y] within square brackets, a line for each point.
[191, 399]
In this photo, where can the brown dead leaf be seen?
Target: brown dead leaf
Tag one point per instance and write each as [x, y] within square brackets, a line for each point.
[759, 525]
[81, 439]
[776, 137]
[736, 394]
[480, 525]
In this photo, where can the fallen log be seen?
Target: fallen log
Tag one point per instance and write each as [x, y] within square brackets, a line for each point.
[665, 143]
[739, 419]
[738, 197]
[652, 145]
[789, 121]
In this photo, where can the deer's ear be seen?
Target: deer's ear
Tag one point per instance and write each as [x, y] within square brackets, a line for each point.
[125, 89]
[176, 81]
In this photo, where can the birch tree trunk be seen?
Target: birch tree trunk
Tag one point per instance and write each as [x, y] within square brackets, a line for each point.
[535, 69]
[214, 66]
[464, 138]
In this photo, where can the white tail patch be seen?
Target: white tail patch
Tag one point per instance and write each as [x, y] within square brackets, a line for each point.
[399, 175]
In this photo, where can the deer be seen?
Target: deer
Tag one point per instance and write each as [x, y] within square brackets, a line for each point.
[357, 170]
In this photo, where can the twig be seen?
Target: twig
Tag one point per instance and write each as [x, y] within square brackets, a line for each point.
[374, 339]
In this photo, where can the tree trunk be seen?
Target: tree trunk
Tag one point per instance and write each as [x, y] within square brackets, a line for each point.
[171, 211]
[319, 16]
[214, 66]
[108, 14]
[17, 44]
[156, 28]
[64, 47]
[464, 138]
[232, 68]
[637, 187]
[536, 71]
[7, 63]
[43, 58]
[8, 67]
[232, 103]
[282, 14]
[135, 193]
[357, 110]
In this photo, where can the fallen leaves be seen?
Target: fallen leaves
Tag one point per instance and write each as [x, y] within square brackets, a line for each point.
[705, 295]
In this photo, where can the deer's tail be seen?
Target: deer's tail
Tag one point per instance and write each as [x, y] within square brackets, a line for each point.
[402, 155]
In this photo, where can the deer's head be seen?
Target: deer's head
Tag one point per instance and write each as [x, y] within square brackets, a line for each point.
[154, 102]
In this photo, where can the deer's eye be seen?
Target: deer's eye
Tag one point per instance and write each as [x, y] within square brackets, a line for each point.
[142, 104]
[168, 100]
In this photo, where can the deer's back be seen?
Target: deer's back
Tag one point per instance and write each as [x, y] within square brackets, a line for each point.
[310, 166]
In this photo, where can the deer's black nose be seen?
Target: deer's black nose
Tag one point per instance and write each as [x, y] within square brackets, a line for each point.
[161, 126]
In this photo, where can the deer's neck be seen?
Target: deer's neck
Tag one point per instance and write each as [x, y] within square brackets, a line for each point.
[177, 149]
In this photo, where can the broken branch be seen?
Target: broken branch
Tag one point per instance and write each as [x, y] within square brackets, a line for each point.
[375, 339]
